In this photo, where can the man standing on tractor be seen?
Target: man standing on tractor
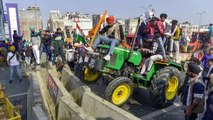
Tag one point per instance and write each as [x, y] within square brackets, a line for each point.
[174, 41]
[210, 32]
[167, 29]
[156, 29]
[114, 33]
[156, 54]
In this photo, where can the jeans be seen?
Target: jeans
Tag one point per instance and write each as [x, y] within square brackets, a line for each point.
[58, 51]
[109, 41]
[162, 46]
[174, 43]
[47, 49]
[140, 38]
[18, 71]
[149, 62]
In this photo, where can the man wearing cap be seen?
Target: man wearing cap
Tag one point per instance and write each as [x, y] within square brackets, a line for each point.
[192, 97]
[114, 36]
[13, 63]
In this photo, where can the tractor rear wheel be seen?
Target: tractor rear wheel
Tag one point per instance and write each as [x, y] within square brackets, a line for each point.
[86, 74]
[185, 65]
[164, 86]
[119, 91]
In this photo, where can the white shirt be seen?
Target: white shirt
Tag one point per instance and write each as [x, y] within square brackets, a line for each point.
[13, 61]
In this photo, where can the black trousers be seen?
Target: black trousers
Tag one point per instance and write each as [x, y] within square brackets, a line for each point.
[192, 117]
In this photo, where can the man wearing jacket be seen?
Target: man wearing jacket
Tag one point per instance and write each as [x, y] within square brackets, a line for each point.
[155, 53]
[156, 29]
[17, 38]
[114, 36]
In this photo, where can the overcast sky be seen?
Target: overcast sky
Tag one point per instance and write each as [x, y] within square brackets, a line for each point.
[182, 10]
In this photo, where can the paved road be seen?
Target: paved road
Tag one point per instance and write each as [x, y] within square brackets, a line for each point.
[141, 105]
[17, 91]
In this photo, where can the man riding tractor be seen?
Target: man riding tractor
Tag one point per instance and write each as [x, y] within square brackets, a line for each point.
[114, 33]
[121, 74]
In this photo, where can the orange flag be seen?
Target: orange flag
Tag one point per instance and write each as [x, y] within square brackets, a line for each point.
[92, 33]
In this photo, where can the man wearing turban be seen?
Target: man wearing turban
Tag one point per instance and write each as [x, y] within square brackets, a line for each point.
[115, 35]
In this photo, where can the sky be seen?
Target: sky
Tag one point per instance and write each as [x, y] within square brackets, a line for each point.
[182, 10]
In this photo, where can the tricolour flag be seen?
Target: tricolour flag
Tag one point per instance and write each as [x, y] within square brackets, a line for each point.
[79, 34]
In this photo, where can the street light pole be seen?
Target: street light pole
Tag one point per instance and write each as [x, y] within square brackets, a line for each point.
[36, 15]
[200, 17]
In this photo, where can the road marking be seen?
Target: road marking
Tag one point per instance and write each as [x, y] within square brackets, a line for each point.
[17, 95]
[161, 111]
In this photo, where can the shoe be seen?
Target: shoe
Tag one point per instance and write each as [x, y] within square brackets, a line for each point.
[20, 80]
[89, 49]
[171, 55]
[11, 81]
[107, 57]
[164, 60]
[144, 74]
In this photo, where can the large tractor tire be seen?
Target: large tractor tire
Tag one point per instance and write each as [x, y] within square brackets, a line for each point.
[164, 86]
[119, 91]
[86, 74]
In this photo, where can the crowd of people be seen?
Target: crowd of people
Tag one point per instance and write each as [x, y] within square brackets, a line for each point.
[158, 39]
[29, 52]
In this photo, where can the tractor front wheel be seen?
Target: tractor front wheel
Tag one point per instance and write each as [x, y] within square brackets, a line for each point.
[164, 86]
[119, 91]
[87, 74]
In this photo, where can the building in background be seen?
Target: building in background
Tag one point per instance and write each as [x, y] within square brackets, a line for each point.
[12, 19]
[189, 27]
[2, 32]
[130, 25]
[68, 21]
[30, 17]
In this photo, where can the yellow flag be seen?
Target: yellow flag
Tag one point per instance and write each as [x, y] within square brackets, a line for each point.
[93, 31]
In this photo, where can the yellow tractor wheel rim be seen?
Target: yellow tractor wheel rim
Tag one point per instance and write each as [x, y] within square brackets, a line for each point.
[90, 75]
[172, 87]
[121, 94]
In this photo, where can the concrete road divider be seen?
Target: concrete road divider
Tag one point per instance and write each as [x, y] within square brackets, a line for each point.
[65, 97]
[104, 110]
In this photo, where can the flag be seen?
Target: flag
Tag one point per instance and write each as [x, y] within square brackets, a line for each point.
[93, 31]
[79, 34]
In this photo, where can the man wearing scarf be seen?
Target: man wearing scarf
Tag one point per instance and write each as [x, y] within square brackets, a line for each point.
[193, 94]
[114, 36]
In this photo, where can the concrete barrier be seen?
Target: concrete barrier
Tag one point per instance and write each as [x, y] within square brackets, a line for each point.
[53, 102]
[66, 97]
[104, 110]
[69, 110]
[73, 85]
[38, 113]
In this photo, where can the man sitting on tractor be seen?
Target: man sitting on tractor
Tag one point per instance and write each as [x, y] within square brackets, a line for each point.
[155, 53]
[114, 33]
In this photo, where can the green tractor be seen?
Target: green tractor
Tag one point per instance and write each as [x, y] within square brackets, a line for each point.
[122, 72]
